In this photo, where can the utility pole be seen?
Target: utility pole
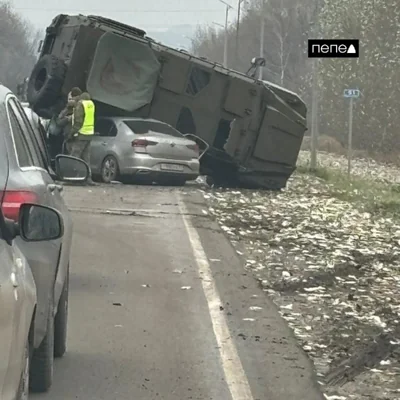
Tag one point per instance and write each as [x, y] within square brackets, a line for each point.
[237, 33]
[225, 62]
[226, 38]
[262, 33]
[315, 97]
[351, 94]
[228, 7]
[314, 116]
[350, 139]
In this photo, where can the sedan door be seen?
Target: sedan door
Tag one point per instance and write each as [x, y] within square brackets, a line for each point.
[54, 199]
[13, 309]
[8, 316]
[102, 143]
[28, 173]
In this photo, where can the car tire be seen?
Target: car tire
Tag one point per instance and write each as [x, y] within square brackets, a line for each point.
[45, 83]
[41, 371]
[23, 389]
[109, 169]
[61, 321]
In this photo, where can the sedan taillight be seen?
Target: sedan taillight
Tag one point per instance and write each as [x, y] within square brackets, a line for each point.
[140, 145]
[193, 147]
[12, 201]
[143, 143]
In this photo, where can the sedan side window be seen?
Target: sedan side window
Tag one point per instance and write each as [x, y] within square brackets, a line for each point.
[21, 146]
[28, 134]
[106, 128]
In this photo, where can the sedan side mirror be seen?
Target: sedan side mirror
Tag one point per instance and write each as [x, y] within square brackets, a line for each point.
[71, 169]
[39, 223]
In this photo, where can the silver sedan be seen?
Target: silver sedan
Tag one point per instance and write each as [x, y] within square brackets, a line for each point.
[142, 149]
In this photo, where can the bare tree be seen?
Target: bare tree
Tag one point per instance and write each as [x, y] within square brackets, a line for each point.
[18, 43]
[285, 41]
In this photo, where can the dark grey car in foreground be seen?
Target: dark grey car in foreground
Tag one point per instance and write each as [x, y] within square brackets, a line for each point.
[18, 295]
[143, 149]
[31, 180]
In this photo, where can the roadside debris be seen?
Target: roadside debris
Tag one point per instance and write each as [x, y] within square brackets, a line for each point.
[244, 120]
[177, 271]
[255, 308]
[333, 270]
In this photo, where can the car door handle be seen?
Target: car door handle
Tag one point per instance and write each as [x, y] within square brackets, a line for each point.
[14, 280]
[104, 143]
[52, 187]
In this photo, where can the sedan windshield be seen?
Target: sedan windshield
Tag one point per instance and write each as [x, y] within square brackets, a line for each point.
[145, 127]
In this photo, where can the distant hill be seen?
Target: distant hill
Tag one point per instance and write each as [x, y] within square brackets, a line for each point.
[177, 36]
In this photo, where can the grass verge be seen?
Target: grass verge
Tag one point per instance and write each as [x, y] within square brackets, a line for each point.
[375, 197]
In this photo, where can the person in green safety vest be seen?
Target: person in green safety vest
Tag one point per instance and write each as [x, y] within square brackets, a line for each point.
[82, 130]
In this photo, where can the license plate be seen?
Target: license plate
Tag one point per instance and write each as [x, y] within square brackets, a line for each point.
[172, 167]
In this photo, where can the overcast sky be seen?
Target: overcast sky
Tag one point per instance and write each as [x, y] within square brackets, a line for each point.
[148, 15]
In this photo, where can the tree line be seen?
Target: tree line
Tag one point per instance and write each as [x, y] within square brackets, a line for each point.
[289, 25]
[18, 45]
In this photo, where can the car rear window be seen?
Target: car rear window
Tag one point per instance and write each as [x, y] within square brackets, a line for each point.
[144, 127]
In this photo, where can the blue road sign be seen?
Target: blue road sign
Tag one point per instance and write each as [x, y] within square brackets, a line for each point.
[352, 93]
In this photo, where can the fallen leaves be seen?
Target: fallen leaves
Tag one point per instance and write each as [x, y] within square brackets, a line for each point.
[361, 167]
[331, 268]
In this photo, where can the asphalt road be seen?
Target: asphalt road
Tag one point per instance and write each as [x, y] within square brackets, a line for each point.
[159, 303]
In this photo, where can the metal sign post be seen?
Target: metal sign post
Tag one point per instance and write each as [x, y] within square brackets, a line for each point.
[350, 94]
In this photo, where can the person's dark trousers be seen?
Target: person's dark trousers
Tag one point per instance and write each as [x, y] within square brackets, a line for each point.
[55, 146]
[80, 148]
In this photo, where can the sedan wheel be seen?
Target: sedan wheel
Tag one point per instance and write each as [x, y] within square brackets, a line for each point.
[23, 390]
[109, 169]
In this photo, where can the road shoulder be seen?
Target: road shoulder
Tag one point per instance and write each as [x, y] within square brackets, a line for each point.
[276, 366]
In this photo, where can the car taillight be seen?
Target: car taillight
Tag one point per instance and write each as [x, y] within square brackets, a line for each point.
[12, 201]
[140, 145]
[143, 143]
[193, 147]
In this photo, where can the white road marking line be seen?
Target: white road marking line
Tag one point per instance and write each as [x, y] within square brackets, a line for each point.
[235, 376]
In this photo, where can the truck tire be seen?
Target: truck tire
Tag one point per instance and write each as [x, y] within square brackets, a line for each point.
[61, 321]
[41, 371]
[45, 82]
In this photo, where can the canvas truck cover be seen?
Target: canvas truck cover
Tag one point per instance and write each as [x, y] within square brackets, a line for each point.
[124, 72]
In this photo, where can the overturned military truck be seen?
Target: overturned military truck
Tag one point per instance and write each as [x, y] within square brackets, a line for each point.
[254, 129]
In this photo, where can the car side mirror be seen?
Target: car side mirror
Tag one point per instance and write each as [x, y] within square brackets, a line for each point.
[39, 223]
[71, 169]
